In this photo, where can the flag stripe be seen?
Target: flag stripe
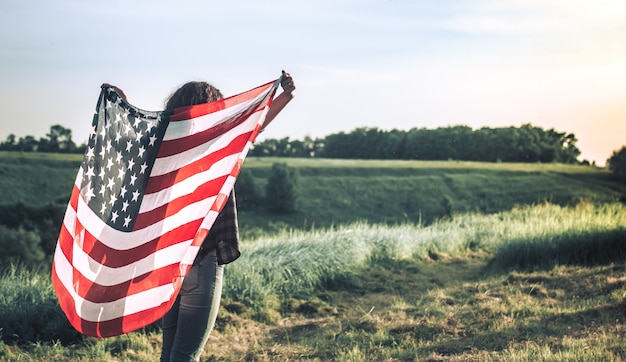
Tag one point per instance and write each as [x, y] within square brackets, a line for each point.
[160, 182]
[184, 113]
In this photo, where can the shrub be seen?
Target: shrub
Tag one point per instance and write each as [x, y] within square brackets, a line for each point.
[20, 245]
[280, 191]
[248, 193]
[617, 163]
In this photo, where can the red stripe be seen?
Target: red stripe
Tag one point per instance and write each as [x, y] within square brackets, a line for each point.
[98, 293]
[206, 190]
[185, 113]
[178, 145]
[116, 258]
[158, 183]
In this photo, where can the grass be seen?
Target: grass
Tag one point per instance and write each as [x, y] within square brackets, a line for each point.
[453, 290]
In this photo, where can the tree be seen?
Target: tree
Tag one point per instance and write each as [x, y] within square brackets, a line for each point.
[249, 195]
[617, 163]
[58, 140]
[10, 144]
[281, 189]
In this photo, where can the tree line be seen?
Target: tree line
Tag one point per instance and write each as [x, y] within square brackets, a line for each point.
[507, 144]
[59, 139]
[527, 143]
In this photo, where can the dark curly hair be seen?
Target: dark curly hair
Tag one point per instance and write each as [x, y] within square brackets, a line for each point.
[192, 93]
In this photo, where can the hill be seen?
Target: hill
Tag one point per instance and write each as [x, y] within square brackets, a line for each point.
[333, 192]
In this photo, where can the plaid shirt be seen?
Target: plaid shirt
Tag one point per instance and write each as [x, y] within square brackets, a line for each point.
[224, 234]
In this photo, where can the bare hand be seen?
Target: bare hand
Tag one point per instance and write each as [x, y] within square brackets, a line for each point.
[287, 83]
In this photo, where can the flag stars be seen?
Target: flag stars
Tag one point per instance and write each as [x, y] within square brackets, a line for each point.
[89, 194]
[114, 216]
[136, 195]
[127, 221]
[153, 139]
[129, 146]
[90, 172]
[144, 166]
[89, 154]
[111, 183]
[141, 151]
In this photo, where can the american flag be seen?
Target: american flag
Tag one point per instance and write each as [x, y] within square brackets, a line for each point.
[150, 186]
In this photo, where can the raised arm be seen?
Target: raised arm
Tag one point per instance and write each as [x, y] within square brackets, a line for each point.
[282, 99]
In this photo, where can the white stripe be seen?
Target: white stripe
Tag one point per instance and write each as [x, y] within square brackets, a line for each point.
[189, 185]
[121, 240]
[107, 276]
[180, 129]
[99, 312]
[172, 163]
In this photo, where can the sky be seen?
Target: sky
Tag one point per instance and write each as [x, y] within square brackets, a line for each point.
[389, 64]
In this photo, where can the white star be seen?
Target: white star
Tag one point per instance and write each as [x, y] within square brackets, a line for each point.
[127, 221]
[128, 128]
[89, 194]
[133, 178]
[109, 163]
[144, 166]
[102, 152]
[89, 155]
[118, 136]
[89, 172]
[152, 140]
[103, 208]
[136, 195]
[108, 147]
[141, 151]
[112, 200]
[121, 175]
[129, 146]
[102, 191]
[114, 216]
[124, 206]
[123, 192]
[131, 164]
[102, 174]
[92, 131]
[119, 157]
[138, 136]
[111, 184]
[103, 132]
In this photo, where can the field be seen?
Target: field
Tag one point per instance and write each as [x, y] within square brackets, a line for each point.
[383, 261]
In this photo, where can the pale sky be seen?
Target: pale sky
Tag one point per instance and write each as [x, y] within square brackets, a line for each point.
[388, 64]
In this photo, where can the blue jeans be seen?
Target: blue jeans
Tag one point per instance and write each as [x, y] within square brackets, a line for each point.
[187, 325]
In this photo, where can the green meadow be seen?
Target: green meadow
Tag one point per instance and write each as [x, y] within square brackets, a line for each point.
[381, 261]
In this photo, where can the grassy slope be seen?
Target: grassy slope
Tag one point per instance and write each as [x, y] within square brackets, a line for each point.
[339, 191]
[452, 309]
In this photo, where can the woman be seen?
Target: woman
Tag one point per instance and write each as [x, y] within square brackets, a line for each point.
[188, 324]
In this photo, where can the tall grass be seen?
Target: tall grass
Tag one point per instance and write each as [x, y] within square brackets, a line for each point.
[297, 263]
[29, 310]
[273, 269]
